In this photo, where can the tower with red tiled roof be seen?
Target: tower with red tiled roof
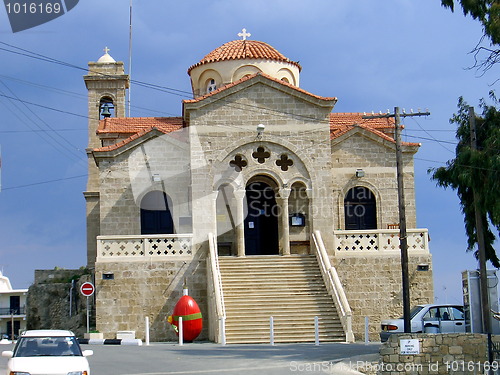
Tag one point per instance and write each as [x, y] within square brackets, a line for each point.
[237, 59]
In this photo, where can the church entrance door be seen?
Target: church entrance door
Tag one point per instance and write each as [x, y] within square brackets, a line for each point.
[261, 222]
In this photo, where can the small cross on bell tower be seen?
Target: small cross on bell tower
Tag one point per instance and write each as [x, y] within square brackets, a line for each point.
[244, 35]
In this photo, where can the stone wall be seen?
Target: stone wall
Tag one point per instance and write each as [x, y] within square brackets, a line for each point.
[49, 305]
[377, 158]
[373, 288]
[147, 289]
[452, 353]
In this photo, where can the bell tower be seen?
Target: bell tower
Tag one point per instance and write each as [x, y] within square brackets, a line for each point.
[106, 83]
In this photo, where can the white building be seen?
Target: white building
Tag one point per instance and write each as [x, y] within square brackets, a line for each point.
[12, 308]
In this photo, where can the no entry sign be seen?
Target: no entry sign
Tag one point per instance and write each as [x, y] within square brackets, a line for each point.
[87, 289]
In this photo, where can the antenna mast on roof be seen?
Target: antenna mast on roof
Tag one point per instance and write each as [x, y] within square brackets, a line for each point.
[129, 57]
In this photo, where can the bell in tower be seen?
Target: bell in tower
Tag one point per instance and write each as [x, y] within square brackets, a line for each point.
[107, 84]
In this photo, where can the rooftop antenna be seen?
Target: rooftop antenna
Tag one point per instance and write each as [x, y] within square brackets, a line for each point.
[129, 57]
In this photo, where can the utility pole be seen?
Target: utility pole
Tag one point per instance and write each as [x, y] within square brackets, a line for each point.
[483, 276]
[403, 240]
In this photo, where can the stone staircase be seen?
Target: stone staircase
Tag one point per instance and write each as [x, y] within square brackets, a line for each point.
[290, 289]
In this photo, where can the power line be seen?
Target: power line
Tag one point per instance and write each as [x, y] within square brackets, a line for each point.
[430, 135]
[43, 106]
[40, 131]
[431, 139]
[48, 137]
[44, 182]
[169, 90]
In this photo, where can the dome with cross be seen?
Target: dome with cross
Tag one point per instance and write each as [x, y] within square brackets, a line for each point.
[237, 59]
[106, 58]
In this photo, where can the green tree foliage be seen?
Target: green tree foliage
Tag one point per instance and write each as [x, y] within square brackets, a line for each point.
[488, 13]
[476, 170]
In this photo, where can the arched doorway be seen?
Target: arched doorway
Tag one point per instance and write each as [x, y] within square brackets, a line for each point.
[156, 217]
[360, 209]
[261, 222]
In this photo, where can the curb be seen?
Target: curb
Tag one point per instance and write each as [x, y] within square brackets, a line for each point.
[357, 365]
[131, 342]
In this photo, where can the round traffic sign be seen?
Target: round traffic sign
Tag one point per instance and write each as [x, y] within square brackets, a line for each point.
[87, 289]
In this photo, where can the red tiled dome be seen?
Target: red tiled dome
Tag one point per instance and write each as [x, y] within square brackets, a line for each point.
[244, 49]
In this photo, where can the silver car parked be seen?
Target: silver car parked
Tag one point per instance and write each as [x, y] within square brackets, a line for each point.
[431, 318]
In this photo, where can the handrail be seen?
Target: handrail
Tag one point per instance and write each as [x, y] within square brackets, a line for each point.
[217, 287]
[334, 286]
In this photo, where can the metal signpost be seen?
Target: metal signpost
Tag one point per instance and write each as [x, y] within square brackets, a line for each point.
[87, 289]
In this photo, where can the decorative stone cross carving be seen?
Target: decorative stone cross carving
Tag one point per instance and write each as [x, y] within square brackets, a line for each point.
[283, 162]
[238, 163]
[261, 155]
[244, 34]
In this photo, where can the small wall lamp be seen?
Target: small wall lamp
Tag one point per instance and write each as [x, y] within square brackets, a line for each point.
[360, 173]
[260, 129]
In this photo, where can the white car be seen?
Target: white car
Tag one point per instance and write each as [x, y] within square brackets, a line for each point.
[47, 352]
[430, 318]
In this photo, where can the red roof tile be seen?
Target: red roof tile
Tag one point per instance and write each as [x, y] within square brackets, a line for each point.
[246, 78]
[244, 49]
[137, 127]
[342, 123]
[126, 125]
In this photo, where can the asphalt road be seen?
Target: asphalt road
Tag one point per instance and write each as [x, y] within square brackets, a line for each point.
[209, 358]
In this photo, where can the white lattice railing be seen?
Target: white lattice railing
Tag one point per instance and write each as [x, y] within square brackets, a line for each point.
[116, 248]
[378, 241]
[334, 286]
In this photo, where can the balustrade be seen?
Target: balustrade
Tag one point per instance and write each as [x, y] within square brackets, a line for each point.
[114, 248]
[378, 241]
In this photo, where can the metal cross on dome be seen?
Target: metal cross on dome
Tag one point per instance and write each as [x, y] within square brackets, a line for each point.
[244, 34]
[106, 49]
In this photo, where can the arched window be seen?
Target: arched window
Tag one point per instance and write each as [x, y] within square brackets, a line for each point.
[211, 86]
[156, 216]
[360, 209]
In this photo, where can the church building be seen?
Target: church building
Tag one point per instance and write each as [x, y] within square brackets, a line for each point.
[263, 201]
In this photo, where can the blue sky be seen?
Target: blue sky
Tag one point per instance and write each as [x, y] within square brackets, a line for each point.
[373, 56]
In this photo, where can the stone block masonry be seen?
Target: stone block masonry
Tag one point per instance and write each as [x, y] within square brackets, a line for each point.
[152, 288]
[452, 353]
[373, 288]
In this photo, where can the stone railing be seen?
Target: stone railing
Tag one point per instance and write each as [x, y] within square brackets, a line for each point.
[334, 286]
[216, 293]
[141, 247]
[378, 241]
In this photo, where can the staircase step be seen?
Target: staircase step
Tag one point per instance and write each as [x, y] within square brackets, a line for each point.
[289, 288]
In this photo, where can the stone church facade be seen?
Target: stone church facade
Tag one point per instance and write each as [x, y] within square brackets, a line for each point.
[256, 167]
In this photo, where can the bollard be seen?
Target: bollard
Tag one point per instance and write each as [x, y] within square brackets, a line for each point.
[181, 338]
[147, 330]
[222, 328]
[271, 330]
[367, 332]
[316, 331]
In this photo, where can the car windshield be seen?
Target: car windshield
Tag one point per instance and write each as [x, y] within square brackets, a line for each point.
[47, 346]
[413, 312]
